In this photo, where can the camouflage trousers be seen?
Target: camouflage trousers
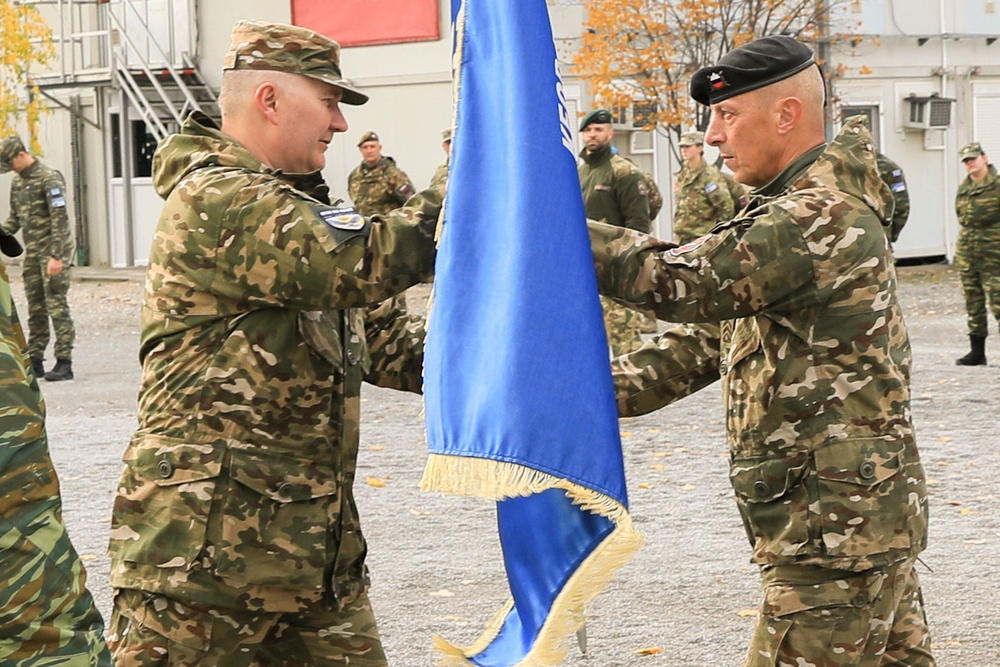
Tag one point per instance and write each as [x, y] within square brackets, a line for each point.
[816, 617]
[46, 297]
[979, 283]
[150, 630]
[623, 326]
[47, 615]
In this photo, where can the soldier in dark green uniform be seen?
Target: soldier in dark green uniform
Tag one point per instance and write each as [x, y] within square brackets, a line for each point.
[38, 209]
[814, 359]
[47, 615]
[702, 196]
[894, 177]
[236, 538]
[615, 192]
[977, 254]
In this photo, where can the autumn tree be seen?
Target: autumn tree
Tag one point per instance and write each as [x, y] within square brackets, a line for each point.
[642, 53]
[25, 41]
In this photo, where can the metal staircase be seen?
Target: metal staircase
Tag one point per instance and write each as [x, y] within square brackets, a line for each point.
[112, 44]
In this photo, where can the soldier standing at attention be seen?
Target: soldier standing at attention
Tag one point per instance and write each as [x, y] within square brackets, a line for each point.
[235, 537]
[977, 254]
[377, 185]
[38, 207]
[815, 364]
[47, 615]
[703, 200]
[439, 180]
[615, 192]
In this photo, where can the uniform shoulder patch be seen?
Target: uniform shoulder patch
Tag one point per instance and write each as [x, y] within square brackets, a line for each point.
[899, 186]
[688, 247]
[711, 187]
[57, 198]
[344, 217]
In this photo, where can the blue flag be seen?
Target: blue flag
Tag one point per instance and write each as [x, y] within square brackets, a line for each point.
[519, 401]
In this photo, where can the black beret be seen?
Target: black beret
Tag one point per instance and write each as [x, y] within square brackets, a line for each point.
[596, 116]
[760, 63]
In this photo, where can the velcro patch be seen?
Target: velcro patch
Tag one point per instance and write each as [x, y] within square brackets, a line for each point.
[899, 187]
[711, 187]
[688, 247]
[57, 198]
[346, 218]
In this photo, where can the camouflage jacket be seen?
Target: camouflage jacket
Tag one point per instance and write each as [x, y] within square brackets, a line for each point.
[237, 487]
[614, 190]
[379, 189]
[978, 208]
[812, 351]
[38, 206]
[703, 201]
[893, 176]
[439, 181]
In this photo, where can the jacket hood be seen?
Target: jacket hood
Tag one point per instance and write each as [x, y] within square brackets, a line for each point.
[198, 145]
[849, 164]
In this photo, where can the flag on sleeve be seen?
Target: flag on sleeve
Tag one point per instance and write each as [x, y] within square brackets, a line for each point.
[519, 400]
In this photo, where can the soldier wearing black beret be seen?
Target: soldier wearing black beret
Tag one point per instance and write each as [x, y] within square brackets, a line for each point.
[814, 361]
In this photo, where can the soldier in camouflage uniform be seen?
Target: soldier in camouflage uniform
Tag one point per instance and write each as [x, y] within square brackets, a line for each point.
[977, 254]
[893, 176]
[47, 615]
[38, 208]
[814, 359]
[377, 185]
[235, 536]
[703, 198]
[615, 192]
[439, 181]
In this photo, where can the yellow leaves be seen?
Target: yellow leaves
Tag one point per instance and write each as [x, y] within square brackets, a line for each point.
[746, 613]
[376, 482]
[25, 42]
[442, 593]
[645, 485]
[376, 448]
[649, 650]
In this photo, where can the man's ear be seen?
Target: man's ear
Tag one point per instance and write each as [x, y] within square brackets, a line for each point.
[265, 99]
[789, 114]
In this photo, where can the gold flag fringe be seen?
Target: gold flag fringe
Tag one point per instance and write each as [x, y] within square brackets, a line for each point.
[497, 480]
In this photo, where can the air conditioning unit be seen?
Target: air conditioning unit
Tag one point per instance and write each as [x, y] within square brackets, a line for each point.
[931, 112]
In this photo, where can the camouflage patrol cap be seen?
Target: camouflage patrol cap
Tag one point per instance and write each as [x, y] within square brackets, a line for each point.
[260, 45]
[692, 139]
[368, 136]
[601, 116]
[755, 65]
[10, 147]
[971, 150]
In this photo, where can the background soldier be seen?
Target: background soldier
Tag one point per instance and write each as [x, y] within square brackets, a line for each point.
[894, 177]
[47, 615]
[703, 196]
[235, 536]
[377, 185]
[439, 181]
[38, 207]
[815, 364]
[615, 192]
[977, 254]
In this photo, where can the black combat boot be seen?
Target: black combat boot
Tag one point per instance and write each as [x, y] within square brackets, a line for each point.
[977, 356]
[63, 370]
[38, 367]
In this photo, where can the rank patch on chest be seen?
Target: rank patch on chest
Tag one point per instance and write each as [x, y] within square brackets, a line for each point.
[688, 247]
[343, 218]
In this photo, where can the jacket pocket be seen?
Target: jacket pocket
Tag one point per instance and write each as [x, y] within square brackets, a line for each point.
[276, 516]
[164, 500]
[774, 504]
[862, 497]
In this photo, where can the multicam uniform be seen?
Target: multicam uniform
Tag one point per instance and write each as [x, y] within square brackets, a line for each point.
[977, 254]
[703, 200]
[38, 207]
[615, 192]
[236, 502]
[47, 616]
[815, 365]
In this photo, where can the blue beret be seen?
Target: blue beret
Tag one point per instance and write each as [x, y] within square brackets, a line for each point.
[760, 63]
[596, 116]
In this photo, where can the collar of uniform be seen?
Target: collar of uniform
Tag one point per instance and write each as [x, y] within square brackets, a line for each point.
[598, 156]
[31, 169]
[790, 173]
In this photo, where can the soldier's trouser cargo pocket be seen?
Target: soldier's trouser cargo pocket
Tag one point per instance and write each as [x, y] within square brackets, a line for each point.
[252, 517]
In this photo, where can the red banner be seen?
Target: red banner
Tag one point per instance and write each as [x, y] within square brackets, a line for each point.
[360, 22]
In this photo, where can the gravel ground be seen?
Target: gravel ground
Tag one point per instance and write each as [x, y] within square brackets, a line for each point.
[686, 599]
